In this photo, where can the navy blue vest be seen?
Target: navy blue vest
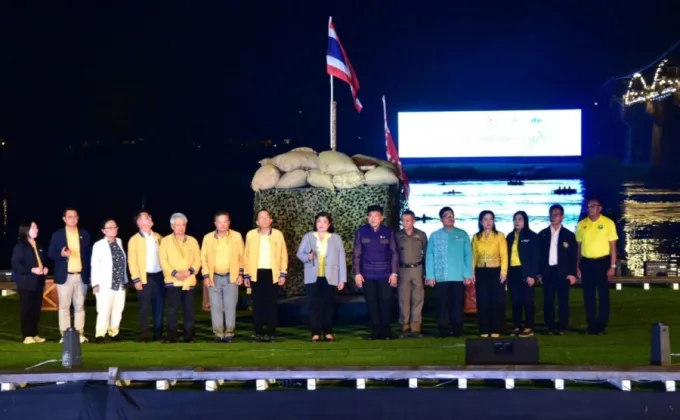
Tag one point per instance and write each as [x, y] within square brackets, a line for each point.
[375, 262]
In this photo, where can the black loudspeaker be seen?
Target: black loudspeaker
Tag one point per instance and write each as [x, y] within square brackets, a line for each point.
[661, 345]
[501, 351]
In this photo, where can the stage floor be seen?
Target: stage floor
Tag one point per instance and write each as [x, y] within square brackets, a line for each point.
[98, 401]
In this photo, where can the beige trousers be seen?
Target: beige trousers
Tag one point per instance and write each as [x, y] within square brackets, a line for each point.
[72, 292]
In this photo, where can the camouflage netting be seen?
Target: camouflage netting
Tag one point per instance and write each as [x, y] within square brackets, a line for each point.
[293, 211]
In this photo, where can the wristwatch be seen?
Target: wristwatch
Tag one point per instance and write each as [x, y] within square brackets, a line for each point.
[613, 266]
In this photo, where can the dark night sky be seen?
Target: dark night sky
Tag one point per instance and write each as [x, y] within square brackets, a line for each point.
[219, 72]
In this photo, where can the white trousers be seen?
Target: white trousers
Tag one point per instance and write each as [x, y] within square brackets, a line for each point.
[73, 291]
[110, 305]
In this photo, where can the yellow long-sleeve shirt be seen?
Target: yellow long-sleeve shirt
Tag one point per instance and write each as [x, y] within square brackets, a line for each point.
[278, 255]
[490, 251]
[176, 255]
[137, 256]
[210, 257]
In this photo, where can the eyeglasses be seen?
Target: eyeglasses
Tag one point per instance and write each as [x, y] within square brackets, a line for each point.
[448, 216]
[112, 227]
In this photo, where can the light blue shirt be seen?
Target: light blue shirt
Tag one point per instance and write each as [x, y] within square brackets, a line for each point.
[449, 256]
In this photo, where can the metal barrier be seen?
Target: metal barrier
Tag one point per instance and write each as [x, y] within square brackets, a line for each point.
[621, 377]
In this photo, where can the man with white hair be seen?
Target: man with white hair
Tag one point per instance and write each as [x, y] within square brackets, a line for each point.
[180, 259]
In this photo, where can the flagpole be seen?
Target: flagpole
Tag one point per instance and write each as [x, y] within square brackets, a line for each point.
[334, 120]
[333, 107]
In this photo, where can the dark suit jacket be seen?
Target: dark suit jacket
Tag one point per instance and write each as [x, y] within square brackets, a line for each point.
[566, 251]
[57, 243]
[23, 260]
[529, 252]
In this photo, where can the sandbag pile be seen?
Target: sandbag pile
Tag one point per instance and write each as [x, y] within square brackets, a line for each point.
[302, 167]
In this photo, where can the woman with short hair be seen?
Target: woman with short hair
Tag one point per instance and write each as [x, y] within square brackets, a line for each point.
[109, 277]
[325, 270]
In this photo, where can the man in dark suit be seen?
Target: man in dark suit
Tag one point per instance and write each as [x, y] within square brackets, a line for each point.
[558, 269]
[70, 249]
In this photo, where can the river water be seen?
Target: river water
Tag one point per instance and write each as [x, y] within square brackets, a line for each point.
[648, 219]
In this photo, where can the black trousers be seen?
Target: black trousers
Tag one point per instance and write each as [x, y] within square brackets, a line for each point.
[522, 298]
[320, 298]
[30, 305]
[378, 294]
[265, 299]
[595, 283]
[490, 300]
[554, 285]
[184, 298]
[152, 298]
[450, 306]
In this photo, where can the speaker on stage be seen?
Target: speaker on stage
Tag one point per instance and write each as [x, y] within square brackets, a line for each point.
[501, 351]
[661, 345]
[71, 355]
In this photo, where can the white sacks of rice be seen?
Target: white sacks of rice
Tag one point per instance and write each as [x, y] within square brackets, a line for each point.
[265, 178]
[293, 179]
[301, 159]
[380, 176]
[316, 179]
[336, 163]
[349, 180]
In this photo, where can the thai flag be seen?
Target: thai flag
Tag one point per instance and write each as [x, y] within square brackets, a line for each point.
[393, 153]
[338, 65]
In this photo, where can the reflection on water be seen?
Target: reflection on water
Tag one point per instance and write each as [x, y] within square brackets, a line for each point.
[471, 197]
[649, 225]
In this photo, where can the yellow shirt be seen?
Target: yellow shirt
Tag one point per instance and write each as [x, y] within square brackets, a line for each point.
[75, 265]
[278, 254]
[265, 261]
[595, 236]
[209, 257]
[514, 255]
[222, 255]
[37, 256]
[491, 251]
[176, 255]
[321, 252]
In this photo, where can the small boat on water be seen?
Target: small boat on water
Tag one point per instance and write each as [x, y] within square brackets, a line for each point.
[452, 192]
[424, 218]
[515, 182]
[565, 191]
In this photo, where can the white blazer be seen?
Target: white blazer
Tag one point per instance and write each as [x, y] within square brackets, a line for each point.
[102, 264]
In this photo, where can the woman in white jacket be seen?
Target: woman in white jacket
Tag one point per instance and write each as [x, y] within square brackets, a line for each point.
[109, 277]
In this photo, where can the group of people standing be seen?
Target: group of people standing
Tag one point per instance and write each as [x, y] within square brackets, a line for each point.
[164, 271]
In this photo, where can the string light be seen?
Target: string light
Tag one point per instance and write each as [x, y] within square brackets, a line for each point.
[4, 216]
[662, 86]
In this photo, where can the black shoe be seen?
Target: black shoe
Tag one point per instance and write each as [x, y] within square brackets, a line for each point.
[158, 337]
[228, 339]
[592, 331]
[415, 335]
[405, 334]
[515, 332]
[100, 340]
[118, 338]
[272, 339]
[257, 338]
[559, 332]
[218, 339]
[170, 340]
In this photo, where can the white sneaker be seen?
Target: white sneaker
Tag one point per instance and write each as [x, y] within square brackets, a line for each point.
[83, 339]
[39, 339]
[29, 340]
[61, 341]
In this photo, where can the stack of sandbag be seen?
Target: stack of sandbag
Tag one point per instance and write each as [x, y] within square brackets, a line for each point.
[376, 171]
[329, 169]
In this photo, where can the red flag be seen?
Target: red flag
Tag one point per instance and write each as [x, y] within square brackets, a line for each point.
[393, 153]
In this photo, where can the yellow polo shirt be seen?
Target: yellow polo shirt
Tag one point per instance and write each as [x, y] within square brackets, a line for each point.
[75, 265]
[514, 255]
[222, 255]
[321, 252]
[264, 260]
[595, 236]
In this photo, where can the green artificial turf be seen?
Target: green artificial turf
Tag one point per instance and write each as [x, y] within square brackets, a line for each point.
[627, 341]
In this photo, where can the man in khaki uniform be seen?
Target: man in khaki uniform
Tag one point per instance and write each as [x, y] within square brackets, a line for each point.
[412, 245]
